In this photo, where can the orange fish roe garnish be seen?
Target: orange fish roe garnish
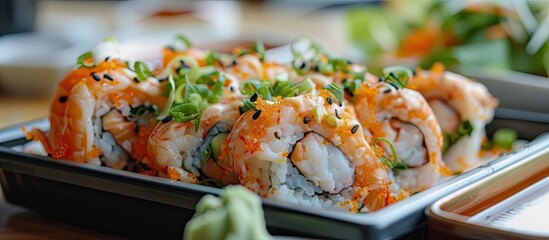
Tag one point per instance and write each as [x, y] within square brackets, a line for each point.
[174, 174]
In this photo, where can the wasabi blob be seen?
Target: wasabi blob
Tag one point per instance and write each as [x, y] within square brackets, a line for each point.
[236, 214]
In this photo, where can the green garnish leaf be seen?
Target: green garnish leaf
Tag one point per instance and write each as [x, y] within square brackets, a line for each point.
[397, 76]
[259, 47]
[81, 61]
[182, 42]
[304, 86]
[142, 71]
[393, 164]
[205, 155]
[335, 90]
[339, 64]
[212, 57]
[465, 128]
[248, 105]
[330, 120]
[170, 101]
[300, 66]
[505, 138]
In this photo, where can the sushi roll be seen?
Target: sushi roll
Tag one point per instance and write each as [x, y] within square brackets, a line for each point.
[308, 151]
[182, 152]
[400, 121]
[103, 112]
[463, 107]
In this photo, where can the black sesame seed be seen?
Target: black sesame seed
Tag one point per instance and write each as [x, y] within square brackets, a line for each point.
[241, 110]
[234, 62]
[256, 115]
[277, 135]
[63, 99]
[338, 115]
[107, 76]
[354, 129]
[184, 65]
[387, 91]
[380, 79]
[107, 58]
[302, 66]
[135, 79]
[167, 119]
[414, 72]
[95, 77]
[329, 100]
[254, 97]
[341, 104]
[395, 86]
[307, 119]
[136, 129]
[232, 89]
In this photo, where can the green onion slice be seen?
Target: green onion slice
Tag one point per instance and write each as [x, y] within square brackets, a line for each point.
[81, 61]
[398, 76]
[505, 138]
[182, 43]
[259, 47]
[300, 66]
[142, 71]
[184, 112]
[335, 90]
[170, 101]
[305, 86]
[330, 120]
[339, 64]
[388, 162]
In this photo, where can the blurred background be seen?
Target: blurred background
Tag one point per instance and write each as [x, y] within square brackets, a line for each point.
[41, 39]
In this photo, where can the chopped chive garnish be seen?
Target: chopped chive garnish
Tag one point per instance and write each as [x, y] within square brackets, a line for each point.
[259, 47]
[505, 138]
[300, 67]
[330, 120]
[142, 71]
[393, 164]
[465, 128]
[335, 90]
[185, 112]
[397, 76]
[182, 43]
[170, 101]
[82, 59]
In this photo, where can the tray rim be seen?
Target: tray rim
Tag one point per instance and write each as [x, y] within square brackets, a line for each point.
[376, 223]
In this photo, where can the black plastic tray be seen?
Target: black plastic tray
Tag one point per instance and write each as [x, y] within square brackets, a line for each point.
[137, 206]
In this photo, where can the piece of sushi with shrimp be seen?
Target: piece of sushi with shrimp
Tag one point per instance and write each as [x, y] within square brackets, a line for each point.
[463, 107]
[307, 150]
[103, 111]
[399, 123]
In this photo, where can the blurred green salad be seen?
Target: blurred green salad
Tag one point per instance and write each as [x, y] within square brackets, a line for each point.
[509, 34]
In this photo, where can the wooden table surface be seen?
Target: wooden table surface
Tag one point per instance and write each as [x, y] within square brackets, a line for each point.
[17, 222]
